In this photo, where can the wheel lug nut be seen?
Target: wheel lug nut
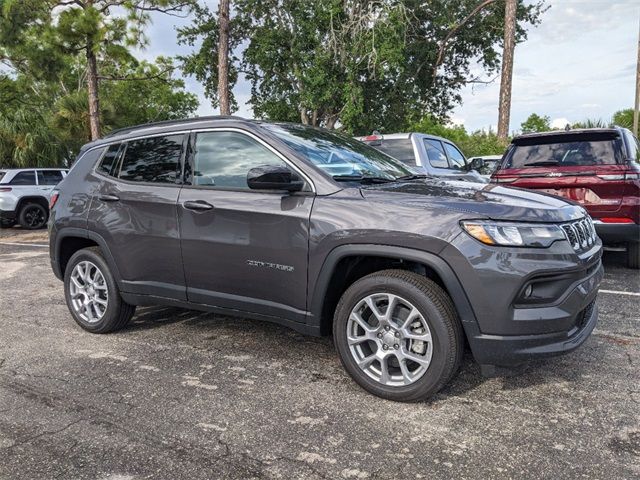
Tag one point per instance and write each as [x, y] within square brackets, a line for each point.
[397, 334]
[387, 328]
[396, 346]
[385, 347]
[380, 335]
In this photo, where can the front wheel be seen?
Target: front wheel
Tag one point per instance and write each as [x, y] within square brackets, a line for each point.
[633, 255]
[92, 293]
[398, 335]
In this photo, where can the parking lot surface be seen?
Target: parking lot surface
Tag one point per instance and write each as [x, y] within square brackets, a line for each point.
[183, 394]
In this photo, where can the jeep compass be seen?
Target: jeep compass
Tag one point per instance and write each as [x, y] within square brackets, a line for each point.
[324, 234]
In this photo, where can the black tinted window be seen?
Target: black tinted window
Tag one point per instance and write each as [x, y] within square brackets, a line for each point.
[109, 160]
[223, 159]
[49, 177]
[153, 159]
[435, 153]
[400, 149]
[24, 178]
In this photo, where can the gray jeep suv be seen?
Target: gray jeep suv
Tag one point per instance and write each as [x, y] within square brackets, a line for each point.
[322, 233]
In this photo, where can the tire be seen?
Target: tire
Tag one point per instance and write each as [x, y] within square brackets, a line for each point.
[96, 318]
[414, 293]
[33, 216]
[633, 255]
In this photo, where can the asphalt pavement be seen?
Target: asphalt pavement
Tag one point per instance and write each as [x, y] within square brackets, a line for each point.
[189, 395]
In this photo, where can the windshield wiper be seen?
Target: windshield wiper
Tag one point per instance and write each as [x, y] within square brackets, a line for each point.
[413, 176]
[541, 164]
[362, 179]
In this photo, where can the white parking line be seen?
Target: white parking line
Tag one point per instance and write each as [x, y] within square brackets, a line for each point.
[41, 245]
[620, 292]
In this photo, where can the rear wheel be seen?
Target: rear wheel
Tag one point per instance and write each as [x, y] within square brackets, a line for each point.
[92, 293]
[633, 255]
[33, 216]
[398, 335]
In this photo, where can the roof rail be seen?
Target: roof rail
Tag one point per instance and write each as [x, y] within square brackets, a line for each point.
[163, 123]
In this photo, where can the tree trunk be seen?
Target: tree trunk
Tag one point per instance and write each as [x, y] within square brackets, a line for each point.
[92, 87]
[223, 58]
[636, 108]
[504, 108]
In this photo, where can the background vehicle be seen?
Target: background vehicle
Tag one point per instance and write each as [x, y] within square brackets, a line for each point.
[250, 218]
[431, 155]
[486, 164]
[24, 195]
[597, 168]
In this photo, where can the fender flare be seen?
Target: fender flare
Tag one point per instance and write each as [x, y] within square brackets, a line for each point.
[431, 260]
[89, 235]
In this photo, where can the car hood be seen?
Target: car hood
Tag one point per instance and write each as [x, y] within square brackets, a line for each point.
[476, 199]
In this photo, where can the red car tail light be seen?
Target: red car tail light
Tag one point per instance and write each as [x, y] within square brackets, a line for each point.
[5, 189]
[53, 198]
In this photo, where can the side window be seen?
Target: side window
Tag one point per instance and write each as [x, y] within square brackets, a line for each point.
[223, 159]
[435, 153]
[455, 157]
[154, 159]
[24, 178]
[49, 177]
[109, 160]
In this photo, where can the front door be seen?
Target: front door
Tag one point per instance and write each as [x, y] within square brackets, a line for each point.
[242, 249]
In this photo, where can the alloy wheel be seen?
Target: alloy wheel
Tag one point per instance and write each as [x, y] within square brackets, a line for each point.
[89, 292]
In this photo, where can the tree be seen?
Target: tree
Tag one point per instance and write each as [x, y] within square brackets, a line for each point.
[535, 123]
[504, 107]
[623, 118]
[223, 58]
[77, 27]
[357, 64]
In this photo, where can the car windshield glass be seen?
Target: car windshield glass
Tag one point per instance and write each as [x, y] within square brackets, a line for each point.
[338, 155]
[565, 154]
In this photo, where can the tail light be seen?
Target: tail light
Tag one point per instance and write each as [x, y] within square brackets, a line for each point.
[53, 198]
[616, 220]
[504, 179]
[5, 189]
[621, 176]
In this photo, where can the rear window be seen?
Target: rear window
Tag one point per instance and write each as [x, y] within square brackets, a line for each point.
[579, 152]
[399, 148]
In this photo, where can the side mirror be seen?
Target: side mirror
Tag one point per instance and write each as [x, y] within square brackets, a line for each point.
[476, 163]
[274, 177]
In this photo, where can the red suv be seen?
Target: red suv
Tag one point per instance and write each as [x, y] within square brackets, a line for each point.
[598, 168]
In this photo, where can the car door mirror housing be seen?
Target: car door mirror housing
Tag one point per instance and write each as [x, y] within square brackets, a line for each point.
[274, 177]
[476, 163]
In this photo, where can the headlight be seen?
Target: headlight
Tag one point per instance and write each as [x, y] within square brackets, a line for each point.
[513, 234]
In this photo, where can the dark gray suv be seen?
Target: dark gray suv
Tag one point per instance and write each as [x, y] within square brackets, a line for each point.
[323, 234]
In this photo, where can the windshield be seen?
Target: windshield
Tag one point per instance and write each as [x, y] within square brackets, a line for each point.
[339, 156]
[565, 154]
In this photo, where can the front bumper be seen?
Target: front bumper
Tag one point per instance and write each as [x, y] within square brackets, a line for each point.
[9, 215]
[508, 330]
[612, 233]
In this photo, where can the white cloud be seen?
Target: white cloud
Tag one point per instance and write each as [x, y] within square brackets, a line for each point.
[559, 122]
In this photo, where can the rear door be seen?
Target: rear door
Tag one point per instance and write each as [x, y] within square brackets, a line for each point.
[134, 210]
[585, 168]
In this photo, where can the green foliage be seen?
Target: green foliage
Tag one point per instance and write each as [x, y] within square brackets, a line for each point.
[591, 123]
[357, 64]
[623, 118]
[478, 143]
[44, 117]
[535, 123]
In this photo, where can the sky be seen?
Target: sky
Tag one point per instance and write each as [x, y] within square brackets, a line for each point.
[579, 63]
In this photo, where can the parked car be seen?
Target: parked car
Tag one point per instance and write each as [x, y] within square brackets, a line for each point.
[251, 219]
[486, 165]
[598, 168]
[24, 195]
[431, 155]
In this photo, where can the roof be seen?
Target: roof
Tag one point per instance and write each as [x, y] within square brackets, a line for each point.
[401, 136]
[169, 123]
[31, 168]
[573, 131]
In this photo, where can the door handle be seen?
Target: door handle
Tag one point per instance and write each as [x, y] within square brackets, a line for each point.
[200, 205]
[109, 198]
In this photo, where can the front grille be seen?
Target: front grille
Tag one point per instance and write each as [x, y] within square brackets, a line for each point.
[581, 234]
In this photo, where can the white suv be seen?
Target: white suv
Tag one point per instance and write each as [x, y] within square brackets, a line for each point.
[24, 195]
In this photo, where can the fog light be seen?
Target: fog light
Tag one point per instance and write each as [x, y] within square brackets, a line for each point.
[528, 291]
